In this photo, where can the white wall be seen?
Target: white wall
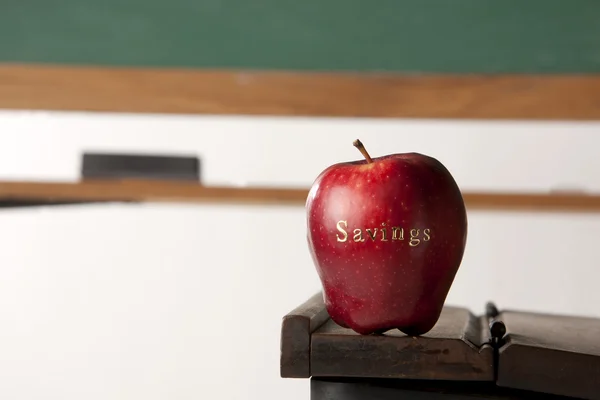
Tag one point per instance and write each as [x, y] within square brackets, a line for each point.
[172, 302]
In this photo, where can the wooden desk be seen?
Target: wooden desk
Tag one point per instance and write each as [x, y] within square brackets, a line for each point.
[497, 355]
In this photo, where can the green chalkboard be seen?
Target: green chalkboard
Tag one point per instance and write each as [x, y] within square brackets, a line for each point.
[459, 36]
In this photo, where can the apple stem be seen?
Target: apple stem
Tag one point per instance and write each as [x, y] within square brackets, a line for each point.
[358, 144]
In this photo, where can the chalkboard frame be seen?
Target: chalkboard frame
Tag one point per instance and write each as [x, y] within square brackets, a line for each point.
[293, 93]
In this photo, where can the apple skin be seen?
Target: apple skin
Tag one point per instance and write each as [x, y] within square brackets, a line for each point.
[373, 286]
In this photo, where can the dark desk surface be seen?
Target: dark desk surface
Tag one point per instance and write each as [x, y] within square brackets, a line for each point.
[537, 353]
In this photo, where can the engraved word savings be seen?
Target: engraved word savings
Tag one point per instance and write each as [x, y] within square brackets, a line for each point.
[381, 234]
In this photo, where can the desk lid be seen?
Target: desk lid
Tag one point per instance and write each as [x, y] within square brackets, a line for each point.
[544, 353]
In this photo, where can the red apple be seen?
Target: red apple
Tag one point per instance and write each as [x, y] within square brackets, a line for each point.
[387, 236]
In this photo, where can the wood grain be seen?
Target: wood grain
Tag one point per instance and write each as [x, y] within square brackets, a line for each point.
[281, 93]
[183, 192]
[296, 329]
[149, 191]
[455, 349]
[547, 353]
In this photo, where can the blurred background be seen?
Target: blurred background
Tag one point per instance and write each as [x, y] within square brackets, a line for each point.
[169, 291]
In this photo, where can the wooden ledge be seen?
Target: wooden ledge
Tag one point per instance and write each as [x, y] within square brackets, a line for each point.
[456, 349]
[281, 93]
[148, 191]
[181, 192]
